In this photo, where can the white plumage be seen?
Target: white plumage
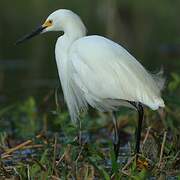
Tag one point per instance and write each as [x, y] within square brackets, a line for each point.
[97, 71]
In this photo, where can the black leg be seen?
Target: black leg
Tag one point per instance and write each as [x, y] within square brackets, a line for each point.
[139, 127]
[116, 135]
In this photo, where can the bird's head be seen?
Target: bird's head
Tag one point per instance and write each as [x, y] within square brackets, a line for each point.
[60, 20]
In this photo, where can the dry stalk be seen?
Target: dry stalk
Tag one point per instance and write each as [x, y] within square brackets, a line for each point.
[162, 149]
[146, 136]
[20, 146]
[54, 154]
[128, 163]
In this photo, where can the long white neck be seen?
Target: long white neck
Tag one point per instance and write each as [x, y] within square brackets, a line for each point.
[61, 52]
[74, 29]
[72, 32]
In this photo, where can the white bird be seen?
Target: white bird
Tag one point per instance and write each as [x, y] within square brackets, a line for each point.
[97, 71]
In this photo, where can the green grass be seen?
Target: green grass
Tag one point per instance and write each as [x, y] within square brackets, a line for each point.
[57, 154]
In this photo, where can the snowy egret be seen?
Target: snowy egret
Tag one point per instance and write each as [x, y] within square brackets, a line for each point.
[97, 71]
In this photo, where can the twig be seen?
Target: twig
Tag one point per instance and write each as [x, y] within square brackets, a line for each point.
[162, 149]
[125, 172]
[33, 146]
[146, 136]
[128, 163]
[6, 156]
[56, 98]
[81, 150]
[65, 152]
[16, 172]
[20, 146]
[79, 154]
[77, 159]
[54, 178]
[16, 148]
[54, 154]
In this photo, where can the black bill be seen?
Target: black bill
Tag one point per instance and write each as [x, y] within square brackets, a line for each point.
[32, 34]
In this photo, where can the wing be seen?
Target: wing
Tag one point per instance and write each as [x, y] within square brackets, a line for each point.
[104, 70]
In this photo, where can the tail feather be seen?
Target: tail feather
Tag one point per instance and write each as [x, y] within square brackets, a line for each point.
[159, 79]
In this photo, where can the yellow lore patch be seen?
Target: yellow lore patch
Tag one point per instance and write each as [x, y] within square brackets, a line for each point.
[47, 23]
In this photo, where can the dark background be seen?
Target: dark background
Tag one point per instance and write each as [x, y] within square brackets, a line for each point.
[150, 30]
